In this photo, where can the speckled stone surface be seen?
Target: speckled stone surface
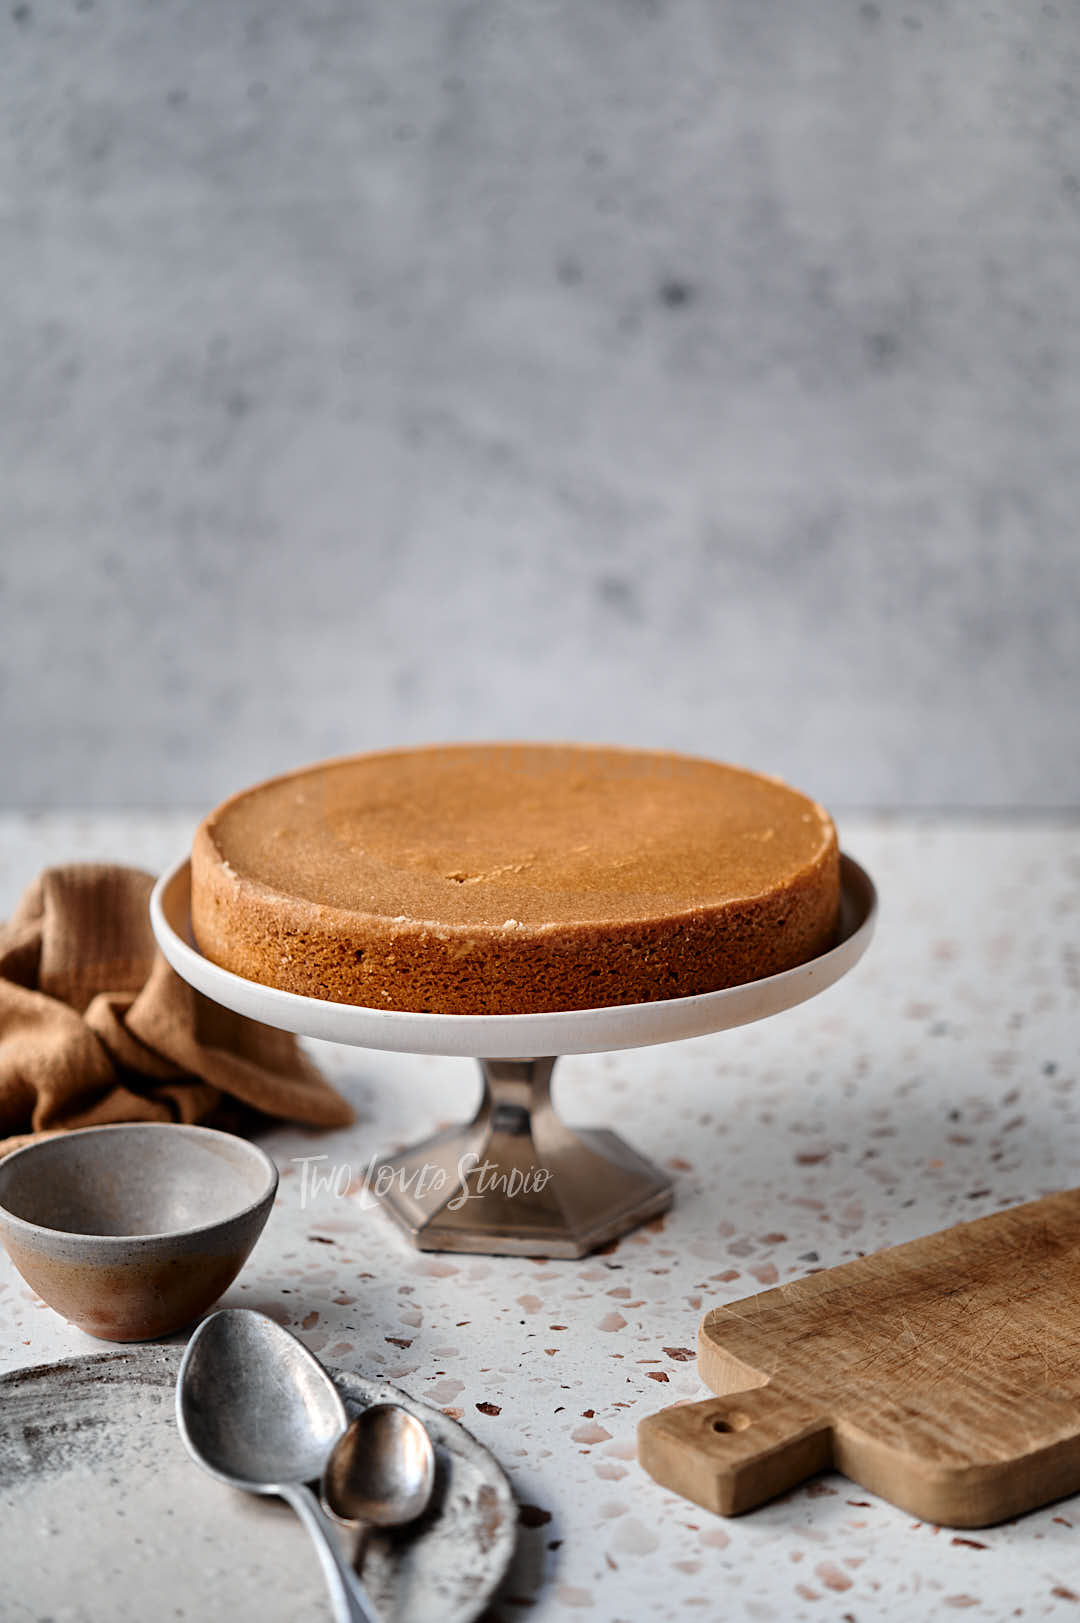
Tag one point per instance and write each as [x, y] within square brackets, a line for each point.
[938, 1082]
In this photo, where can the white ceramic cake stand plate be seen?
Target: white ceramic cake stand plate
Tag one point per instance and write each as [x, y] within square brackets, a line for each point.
[534, 1187]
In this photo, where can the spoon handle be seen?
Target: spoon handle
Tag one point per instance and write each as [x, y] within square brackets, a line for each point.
[350, 1603]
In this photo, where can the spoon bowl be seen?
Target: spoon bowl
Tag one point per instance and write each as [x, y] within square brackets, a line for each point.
[382, 1470]
[254, 1407]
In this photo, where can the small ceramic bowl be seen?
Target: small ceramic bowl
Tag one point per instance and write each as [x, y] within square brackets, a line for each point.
[132, 1231]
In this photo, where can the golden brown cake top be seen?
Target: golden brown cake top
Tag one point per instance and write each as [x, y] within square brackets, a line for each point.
[532, 834]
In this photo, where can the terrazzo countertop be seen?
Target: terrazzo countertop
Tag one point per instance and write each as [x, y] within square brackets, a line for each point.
[936, 1083]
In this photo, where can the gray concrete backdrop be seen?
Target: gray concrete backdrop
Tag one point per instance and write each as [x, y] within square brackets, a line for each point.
[693, 372]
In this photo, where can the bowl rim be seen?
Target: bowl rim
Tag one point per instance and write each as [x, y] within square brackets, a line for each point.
[43, 1230]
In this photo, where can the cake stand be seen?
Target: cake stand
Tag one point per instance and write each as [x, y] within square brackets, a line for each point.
[516, 1180]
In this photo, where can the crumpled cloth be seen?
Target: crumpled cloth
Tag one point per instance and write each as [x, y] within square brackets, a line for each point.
[96, 1027]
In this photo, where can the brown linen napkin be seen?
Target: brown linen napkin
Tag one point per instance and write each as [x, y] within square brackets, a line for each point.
[95, 1026]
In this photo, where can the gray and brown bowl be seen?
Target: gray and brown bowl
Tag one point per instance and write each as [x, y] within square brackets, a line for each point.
[131, 1231]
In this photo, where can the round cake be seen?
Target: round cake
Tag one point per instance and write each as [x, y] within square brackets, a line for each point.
[514, 878]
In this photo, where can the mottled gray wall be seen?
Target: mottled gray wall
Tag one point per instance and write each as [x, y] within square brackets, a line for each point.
[698, 372]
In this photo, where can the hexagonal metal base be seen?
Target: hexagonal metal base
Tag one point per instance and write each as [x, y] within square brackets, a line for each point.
[516, 1181]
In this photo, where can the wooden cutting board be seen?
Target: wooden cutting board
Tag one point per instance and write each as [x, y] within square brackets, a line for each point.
[943, 1374]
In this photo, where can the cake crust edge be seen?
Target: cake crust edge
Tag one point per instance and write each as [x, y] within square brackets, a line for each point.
[419, 966]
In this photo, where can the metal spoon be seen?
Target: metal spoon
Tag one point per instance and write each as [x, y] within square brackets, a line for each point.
[382, 1471]
[259, 1412]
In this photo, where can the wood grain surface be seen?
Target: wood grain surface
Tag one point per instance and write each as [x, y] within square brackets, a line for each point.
[943, 1374]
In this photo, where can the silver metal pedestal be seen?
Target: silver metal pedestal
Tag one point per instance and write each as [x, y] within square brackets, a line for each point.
[516, 1181]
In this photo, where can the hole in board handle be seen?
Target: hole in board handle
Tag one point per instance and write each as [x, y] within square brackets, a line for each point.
[731, 1422]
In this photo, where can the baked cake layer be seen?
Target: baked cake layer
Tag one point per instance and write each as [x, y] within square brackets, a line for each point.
[510, 879]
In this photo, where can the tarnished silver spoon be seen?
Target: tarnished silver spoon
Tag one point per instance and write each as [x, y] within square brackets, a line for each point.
[381, 1472]
[258, 1411]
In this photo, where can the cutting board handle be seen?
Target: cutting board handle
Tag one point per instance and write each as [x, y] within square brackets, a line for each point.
[731, 1453]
